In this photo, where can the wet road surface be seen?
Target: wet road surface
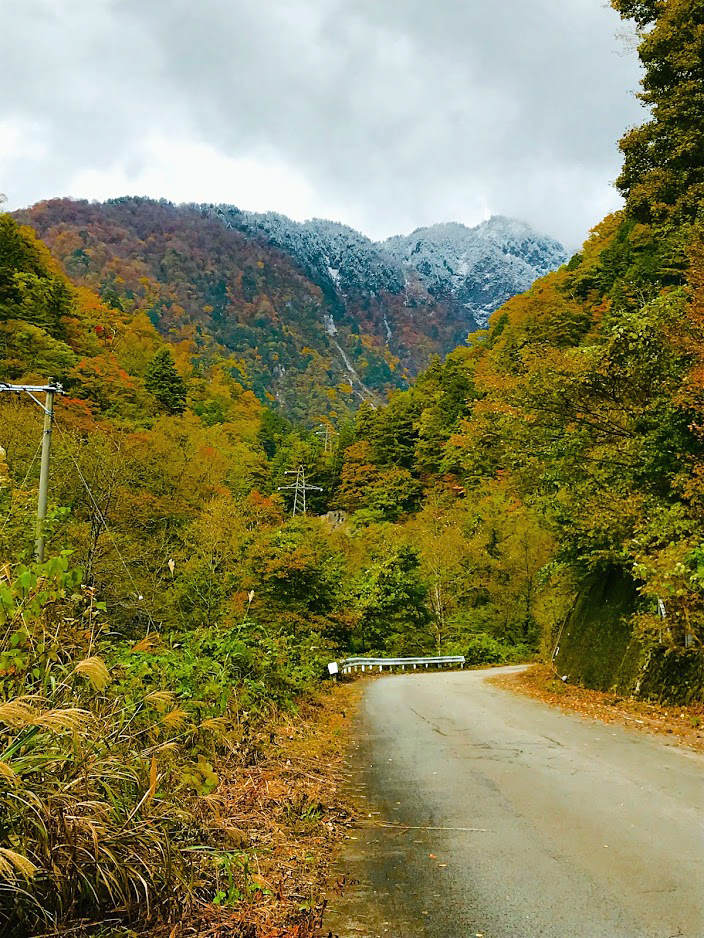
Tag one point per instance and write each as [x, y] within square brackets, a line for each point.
[514, 820]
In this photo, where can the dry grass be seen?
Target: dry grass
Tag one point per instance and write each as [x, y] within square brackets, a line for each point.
[271, 828]
[122, 809]
[278, 822]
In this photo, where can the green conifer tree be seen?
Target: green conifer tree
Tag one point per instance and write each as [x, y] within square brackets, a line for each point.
[165, 383]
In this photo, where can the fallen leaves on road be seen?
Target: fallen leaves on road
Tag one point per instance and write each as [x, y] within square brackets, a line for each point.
[540, 681]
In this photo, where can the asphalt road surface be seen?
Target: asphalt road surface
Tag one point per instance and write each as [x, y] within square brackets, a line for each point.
[514, 820]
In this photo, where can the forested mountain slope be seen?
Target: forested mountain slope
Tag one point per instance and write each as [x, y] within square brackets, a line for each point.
[314, 317]
[541, 487]
[437, 284]
[221, 297]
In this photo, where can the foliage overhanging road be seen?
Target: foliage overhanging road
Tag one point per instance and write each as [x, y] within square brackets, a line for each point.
[546, 824]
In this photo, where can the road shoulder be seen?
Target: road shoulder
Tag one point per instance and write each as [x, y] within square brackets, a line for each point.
[683, 725]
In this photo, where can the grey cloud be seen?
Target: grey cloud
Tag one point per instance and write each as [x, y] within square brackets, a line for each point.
[399, 112]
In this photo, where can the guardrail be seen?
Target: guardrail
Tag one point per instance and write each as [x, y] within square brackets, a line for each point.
[352, 664]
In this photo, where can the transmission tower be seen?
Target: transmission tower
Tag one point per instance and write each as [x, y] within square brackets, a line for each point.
[325, 433]
[299, 488]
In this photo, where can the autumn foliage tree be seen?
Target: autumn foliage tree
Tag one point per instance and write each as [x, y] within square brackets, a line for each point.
[663, 171]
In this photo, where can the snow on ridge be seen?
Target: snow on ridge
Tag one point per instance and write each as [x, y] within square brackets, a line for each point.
[332, 253]
[477, 268]
[481, 267]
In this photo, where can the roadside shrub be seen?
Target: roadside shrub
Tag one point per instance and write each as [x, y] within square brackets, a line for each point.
[89, 814]
[485, 649]
[107, 750]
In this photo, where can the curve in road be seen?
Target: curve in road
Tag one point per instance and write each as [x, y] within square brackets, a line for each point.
[511, 819]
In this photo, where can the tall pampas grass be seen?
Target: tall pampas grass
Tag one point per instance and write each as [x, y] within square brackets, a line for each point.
[84, 826]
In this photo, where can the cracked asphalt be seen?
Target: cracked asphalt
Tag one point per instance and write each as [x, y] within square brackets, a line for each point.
[493, 814]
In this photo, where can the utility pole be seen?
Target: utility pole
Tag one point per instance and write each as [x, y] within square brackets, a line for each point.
[49, 390]
[299, 489]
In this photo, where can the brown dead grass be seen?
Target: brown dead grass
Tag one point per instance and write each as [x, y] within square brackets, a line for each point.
[286, 814]
[685, 724]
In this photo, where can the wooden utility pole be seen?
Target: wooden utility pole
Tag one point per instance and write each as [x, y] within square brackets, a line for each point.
[44, 471]
[49, 390]
[299, 489]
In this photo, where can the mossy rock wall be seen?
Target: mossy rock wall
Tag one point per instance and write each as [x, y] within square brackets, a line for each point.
[673, 676]
[597, 648]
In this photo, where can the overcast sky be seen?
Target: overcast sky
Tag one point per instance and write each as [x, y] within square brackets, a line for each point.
[384, 114]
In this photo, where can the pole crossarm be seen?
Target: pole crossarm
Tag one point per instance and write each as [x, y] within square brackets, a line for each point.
[31, 390]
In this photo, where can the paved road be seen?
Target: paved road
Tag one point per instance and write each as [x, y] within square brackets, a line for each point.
[578, 829]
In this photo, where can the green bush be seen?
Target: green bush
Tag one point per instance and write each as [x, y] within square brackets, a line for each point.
[484, 649]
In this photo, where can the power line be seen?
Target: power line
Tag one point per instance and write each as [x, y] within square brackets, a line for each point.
[22, 484]
[99, 513]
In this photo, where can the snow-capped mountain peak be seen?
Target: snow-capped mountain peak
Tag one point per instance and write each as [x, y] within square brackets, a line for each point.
[457, 274]
[515, 237]
[479, 267]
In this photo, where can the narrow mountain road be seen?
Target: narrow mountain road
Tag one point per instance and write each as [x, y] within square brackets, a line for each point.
[514, 820]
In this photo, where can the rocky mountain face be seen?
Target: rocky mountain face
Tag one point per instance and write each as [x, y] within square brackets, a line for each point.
[477, 269]
[312, 315]
[457, 272]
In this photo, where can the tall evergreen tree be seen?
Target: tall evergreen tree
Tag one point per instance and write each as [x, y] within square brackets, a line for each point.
[165, 383]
